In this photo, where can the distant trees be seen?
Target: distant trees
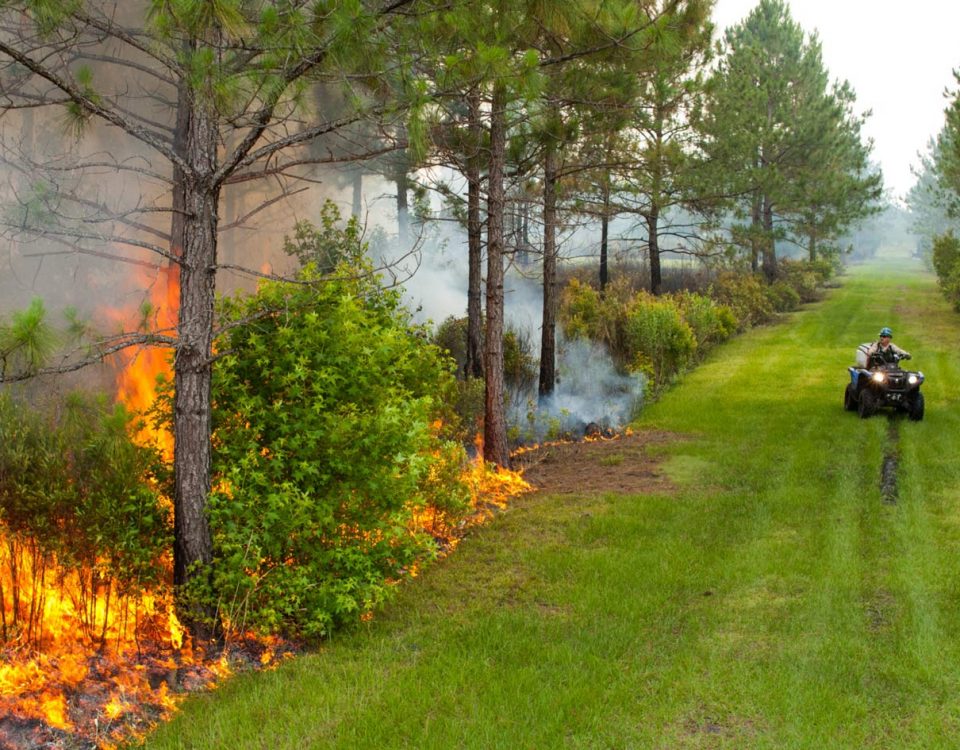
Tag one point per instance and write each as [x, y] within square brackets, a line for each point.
[783, 143]
[934, 201]
[665, 128]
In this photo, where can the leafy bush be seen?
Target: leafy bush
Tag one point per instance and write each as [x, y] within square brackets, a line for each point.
[712, 323]
[327, 245]
[661, 342]
[451, 337]
[782, 296]
[585, 313]
[805, 278]
[580, 311]
[327, 445]
[946, 263]
[744, 294]
[520, 366]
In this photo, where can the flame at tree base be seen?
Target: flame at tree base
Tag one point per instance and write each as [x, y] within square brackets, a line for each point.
[105, 669]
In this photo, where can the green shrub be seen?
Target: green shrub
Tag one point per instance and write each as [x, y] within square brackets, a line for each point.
[580, 311]
[520, 369]
[824, 268]
[520, 366]
[451, 337]
[744, 294]
[326, 245]
[805, 278]
[712, 323]
[661, 342]
[946, 255]
[327, 445]
[782, 296]
[585, 313]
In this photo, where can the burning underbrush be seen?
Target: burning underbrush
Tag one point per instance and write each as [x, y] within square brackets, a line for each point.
[86, 667]
[93, 653]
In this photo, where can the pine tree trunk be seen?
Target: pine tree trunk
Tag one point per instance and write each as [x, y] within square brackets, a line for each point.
[653, 243]
[769, 244]
[403, 210]
[474, 364]
[548, 333]
[193, 545]
[756, 222]
[495, 448]
[604, 234]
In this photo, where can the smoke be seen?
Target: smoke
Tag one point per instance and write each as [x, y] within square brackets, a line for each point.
[589, 390]
[590, 395]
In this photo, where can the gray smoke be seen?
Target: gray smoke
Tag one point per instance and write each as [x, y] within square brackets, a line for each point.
[589, 391]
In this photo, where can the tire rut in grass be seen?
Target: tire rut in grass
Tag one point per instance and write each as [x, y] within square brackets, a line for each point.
[889, 491]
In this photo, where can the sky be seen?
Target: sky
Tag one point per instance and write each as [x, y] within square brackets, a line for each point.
[898, 57]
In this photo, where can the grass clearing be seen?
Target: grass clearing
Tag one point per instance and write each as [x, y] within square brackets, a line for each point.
[769, 600]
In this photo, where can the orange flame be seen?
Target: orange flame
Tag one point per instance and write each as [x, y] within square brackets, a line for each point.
[138, 380]
[491, 488]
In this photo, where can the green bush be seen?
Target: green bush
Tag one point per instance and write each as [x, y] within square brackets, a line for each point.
[451, 337]
[805, 278]
[782, 296]
[520, 366]
[585, 313]
[712, 323]
[327, 409]
[327, 245]
[946, 263]
[580, 311]
[661, 342]
[745, 295]
[520, 369]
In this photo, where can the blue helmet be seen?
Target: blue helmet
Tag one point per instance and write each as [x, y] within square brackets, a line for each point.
[886, 332]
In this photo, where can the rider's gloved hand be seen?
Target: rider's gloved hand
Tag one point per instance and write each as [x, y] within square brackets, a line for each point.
[906, 356]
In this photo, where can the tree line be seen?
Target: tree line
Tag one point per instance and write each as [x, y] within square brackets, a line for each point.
[934, 200]
[589, 108]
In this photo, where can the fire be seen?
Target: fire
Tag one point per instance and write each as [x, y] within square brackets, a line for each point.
[76, 651]
[82, 658]
[141, 367]
[491, 488]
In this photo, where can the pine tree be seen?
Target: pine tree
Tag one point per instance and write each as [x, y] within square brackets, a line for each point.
[231, 85]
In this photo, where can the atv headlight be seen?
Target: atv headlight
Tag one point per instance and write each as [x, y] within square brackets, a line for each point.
[913, 379]
[878, 377]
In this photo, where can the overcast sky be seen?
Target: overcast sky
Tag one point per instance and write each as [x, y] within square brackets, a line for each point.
[897, 55]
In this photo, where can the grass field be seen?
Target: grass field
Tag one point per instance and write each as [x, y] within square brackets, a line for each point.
[772, 600]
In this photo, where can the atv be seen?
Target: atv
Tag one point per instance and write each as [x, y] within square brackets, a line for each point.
[876, 383]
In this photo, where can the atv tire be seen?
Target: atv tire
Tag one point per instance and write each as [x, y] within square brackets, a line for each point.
[915, 413]
[867, 406]
[850, 398]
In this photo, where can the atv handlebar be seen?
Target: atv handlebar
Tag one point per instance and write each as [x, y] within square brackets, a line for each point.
[877, 359]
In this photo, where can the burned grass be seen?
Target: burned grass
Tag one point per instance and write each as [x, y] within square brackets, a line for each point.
[624, 465]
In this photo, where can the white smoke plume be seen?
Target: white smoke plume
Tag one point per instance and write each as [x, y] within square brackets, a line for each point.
[589, 392]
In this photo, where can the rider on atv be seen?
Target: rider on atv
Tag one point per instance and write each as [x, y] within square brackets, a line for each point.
[885, 351]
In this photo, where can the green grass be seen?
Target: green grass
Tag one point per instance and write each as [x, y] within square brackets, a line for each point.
[773, 601]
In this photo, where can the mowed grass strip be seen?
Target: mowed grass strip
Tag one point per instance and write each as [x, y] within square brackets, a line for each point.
[772, 601]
